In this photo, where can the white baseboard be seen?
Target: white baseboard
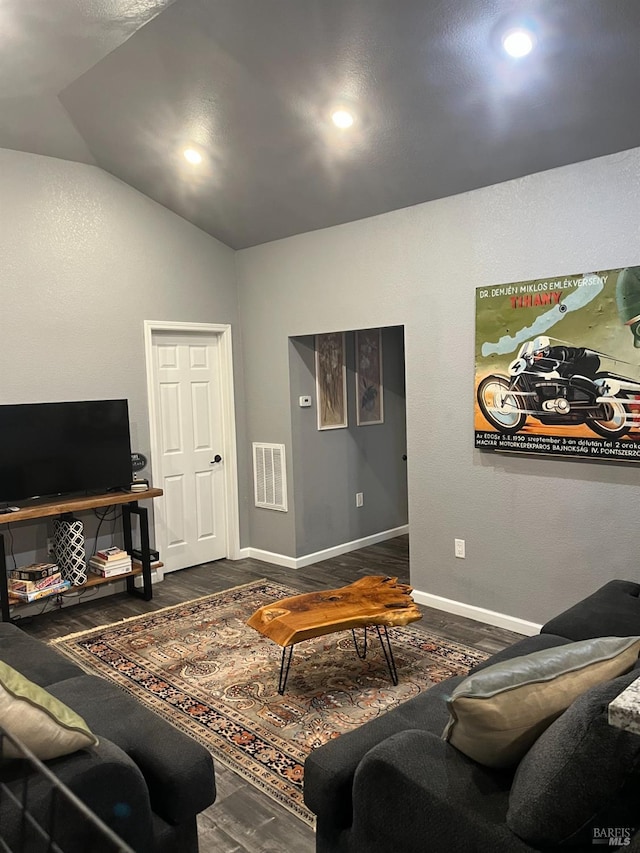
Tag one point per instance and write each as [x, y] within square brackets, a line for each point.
[480, 614]
[326, 554]
[157, 576]
[272, 557]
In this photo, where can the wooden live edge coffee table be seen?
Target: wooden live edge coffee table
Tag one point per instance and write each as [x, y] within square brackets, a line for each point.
[374, 600]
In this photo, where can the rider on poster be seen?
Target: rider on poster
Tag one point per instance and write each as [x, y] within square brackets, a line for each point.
[558, 366]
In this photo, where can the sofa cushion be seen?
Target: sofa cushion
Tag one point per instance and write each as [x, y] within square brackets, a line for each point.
[108, 783]
[413, 793]
[178, 770]
[498, 713]
[571, 780]
[44, 724]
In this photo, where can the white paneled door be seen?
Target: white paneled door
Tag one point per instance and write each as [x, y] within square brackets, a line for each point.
[189, 448]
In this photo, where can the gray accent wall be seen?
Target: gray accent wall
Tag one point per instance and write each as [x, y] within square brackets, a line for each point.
[540, 533]
[84, 260]
[330, 466]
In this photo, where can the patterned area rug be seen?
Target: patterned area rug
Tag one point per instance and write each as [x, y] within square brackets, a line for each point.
[198, 665]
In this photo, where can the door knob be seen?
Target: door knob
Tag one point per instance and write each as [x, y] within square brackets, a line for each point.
[216, 458]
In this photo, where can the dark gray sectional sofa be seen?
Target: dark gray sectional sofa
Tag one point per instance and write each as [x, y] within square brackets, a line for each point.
[395, 785]
[146, 780]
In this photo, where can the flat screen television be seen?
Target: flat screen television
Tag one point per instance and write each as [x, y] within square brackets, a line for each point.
[51, 449]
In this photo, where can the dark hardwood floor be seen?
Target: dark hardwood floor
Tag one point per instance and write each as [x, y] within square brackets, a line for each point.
[242, 820]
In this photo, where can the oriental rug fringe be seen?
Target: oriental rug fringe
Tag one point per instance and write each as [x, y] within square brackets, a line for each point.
[202, 668]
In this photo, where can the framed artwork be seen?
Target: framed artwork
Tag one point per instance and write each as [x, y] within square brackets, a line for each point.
[331, 380]
[557, 367]
[369, 388]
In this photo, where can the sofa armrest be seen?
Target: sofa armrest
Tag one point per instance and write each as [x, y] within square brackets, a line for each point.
[179, 773]
[415, 786]
[103, 777]
[329, 769]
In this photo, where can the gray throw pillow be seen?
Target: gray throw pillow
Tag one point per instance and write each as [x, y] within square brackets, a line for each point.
[498, 713]
[571, 779]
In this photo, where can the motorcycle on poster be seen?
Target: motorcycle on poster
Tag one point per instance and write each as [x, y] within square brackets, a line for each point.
[558, 366]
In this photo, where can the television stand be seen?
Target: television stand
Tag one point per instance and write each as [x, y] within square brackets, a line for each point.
[60, 506]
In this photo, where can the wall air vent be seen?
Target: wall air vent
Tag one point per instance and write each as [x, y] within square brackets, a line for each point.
[269, 476]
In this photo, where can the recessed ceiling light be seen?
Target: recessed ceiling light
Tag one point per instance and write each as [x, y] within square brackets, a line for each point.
[192, 156]
[342, 118]
[517, 43]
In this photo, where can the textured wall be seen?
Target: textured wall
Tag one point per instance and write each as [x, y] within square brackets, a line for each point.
[330, 466]
[85, 259]
[539, 533]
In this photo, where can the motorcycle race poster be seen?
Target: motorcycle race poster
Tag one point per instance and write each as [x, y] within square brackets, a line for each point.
[558, 366]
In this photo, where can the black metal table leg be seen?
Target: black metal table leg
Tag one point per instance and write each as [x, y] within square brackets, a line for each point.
[284, 671]
[147, 590]
[126, 528]
[393, 672]
[362, 655]
[385, 642]
[4, 586]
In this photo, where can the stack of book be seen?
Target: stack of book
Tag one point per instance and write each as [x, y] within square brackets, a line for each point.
[38, 580]
[109, 562]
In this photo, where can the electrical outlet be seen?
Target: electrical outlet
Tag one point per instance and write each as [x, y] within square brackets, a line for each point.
[459, 548]
[359, 499]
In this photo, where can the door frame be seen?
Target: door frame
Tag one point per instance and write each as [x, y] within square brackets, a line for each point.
[223, 333]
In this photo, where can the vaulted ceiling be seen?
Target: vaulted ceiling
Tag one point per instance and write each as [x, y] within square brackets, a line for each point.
[438, 106]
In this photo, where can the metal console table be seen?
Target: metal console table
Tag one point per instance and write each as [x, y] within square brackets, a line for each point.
[46, 508]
